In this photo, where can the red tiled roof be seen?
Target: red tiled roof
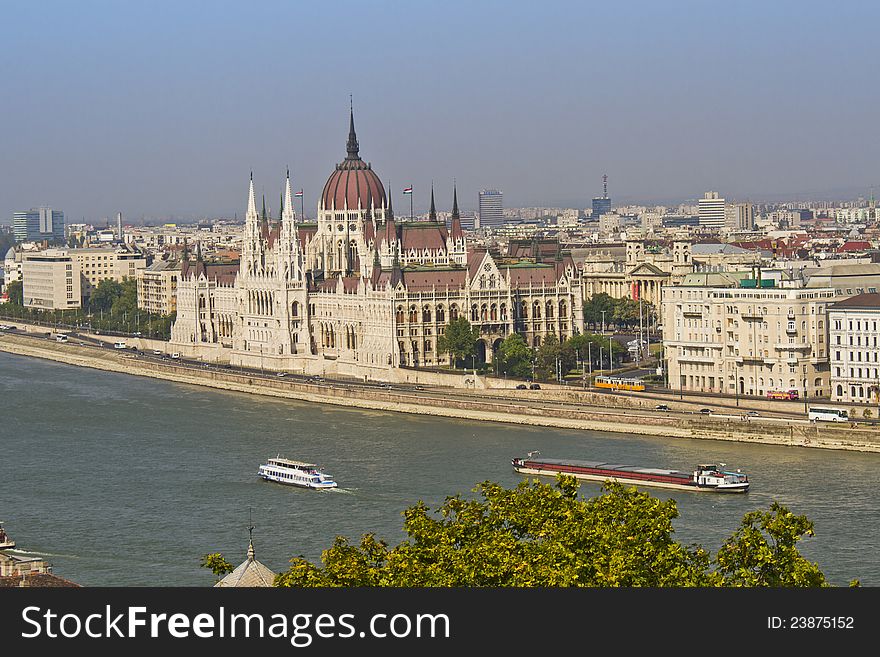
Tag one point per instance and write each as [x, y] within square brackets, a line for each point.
[426, 280]
[430, 236]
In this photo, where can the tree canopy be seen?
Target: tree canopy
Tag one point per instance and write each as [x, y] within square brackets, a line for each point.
[543, 535]
[514, 356]
[15, 293]
[459, 340]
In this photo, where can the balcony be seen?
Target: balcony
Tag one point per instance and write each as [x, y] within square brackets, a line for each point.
[695, 358]
[750, 316]
[693, 313]
[798, 346]
[749, 360]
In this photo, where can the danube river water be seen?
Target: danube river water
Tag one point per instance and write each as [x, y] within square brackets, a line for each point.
[125, 481]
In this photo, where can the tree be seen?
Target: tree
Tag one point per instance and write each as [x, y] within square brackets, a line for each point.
[106, 292]
[763, 551]
[15, 292]
[459, 340]
[594, 307]
[626, 312]
[543, 535]
[126, 302]
[514, 356]
[217, 564]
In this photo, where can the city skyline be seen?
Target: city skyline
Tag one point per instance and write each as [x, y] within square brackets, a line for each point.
[163, 111]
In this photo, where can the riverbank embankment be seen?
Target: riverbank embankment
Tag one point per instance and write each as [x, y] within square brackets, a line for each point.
[467, 405]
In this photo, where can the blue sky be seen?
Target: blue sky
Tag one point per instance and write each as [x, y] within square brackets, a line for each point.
[161, 109]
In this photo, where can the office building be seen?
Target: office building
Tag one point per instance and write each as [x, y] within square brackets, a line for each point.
[740, 217]
[601, 204]
[38, 224]
[491, 208]
[50, 280]
[712, 211]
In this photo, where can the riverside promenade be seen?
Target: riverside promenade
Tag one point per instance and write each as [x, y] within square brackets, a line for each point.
[551, 407]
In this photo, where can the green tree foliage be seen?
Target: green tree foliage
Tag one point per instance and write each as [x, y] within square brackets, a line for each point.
[104, 295]
[15, 292]
[593, 309]
[763, 551]
[541, 535]
[626, 312]
[514, 357]
[126, 302]
[217, 564]
[548, 353]
[459, 340]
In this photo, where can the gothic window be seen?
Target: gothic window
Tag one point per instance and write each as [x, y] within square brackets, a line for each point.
[413, 315]
[503, 312]
[493, 313]
[294, 309]
[426, 314]
[483, 313]
[399, 314]
[549, 310]
[563, 309]
[453, 312]
[524, 310]
[441, 314]
[536, 312]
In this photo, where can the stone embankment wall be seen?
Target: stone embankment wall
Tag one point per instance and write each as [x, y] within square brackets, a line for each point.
[474, 405]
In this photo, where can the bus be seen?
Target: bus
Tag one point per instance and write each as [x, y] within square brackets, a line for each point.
[618, 383]
[791, 395]
[828, 414]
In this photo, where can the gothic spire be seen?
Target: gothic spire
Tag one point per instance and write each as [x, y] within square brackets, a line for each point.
[288, 214]
[455, 214]
[252, 201]
[390, 214]
[432, 214]
[265, 217]
[352, 146]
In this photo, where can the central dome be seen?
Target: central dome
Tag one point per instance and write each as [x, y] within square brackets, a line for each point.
[354, 184]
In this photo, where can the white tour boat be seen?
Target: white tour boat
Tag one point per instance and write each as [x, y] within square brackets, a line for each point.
[296, 473]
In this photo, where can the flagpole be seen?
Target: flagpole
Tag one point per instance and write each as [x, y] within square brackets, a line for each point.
[302, 215]
[410, 206]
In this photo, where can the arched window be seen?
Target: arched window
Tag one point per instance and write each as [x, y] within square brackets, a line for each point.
[441, 314]
[453, 311]
[413, 315]
[474, 313]
[524, 310]
[563, 309]
[536, 341]
[549, 310]
[483, 313]
[536, 310]
[503, 312]
[493, 313]
[294, 309]
[400, 314]
[426, 314]
[839, 390]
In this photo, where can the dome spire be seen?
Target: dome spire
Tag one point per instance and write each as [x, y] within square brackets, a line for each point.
[390, 209]
[352, 146]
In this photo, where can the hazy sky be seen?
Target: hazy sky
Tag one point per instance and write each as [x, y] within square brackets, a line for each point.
[161, 109]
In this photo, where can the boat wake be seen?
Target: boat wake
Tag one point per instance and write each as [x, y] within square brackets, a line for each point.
[344, 491]
[40, 554]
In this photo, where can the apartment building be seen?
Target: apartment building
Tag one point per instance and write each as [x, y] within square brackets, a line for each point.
[744, 334]
[854, 332]
[157, 287]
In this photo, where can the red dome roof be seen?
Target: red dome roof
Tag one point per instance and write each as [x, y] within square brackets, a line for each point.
[353, 187]
[354, 184]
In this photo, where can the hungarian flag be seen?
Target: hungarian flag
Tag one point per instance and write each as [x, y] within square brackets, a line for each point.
[408, 190]
[299, 193]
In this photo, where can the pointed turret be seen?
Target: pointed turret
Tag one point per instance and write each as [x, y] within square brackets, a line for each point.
[288, 212]
[456, 231]
[264, 221]
[432, 213]
[390, 214]
[252, 201]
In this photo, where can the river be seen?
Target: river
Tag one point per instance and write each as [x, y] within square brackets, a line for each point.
[126, 481]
